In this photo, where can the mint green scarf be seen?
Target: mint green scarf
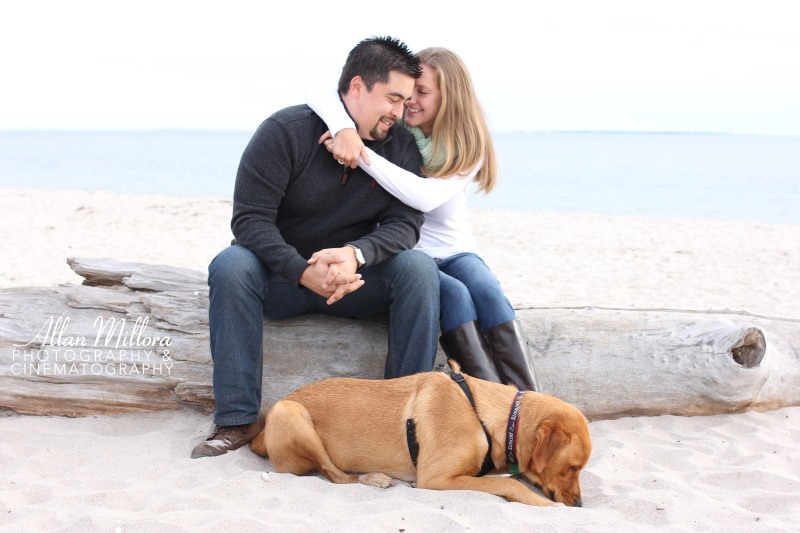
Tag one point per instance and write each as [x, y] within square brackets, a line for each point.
[425, 145]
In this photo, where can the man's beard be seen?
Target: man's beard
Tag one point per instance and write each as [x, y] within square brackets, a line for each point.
[377, 133]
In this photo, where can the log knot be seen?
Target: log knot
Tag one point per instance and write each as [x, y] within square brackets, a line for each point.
[749, 352]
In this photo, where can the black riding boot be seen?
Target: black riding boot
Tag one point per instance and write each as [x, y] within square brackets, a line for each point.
[466, 345]
[512, 356]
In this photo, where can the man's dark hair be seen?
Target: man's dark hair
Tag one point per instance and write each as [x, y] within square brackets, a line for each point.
[373, 59]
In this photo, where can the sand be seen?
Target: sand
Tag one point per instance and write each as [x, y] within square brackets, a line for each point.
[667, 473]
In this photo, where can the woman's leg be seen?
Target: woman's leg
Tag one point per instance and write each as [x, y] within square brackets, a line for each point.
[503, 332]
[457, 307]
[483, 290]
[512, 355]
[462, 339]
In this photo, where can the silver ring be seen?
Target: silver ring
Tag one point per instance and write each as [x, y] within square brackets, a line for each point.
[340, 161]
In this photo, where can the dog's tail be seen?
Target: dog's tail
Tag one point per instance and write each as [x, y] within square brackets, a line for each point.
[259, 444]
[454, 365]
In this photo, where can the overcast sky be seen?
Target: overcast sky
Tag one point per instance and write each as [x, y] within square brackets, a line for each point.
[677, 65]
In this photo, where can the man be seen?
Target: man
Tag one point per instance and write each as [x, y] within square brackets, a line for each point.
[304, 225]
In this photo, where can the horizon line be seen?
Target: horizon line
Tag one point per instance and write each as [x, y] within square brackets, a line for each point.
[503, 132]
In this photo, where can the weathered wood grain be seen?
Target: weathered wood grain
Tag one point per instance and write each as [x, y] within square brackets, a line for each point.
[57, 356]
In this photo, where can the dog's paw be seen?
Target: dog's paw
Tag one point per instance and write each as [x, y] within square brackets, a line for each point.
[376, 479]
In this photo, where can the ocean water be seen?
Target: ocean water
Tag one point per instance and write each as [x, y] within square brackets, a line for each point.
[694, 176]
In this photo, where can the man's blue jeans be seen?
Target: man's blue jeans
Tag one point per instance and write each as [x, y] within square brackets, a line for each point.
[243, 291]
[469, 291]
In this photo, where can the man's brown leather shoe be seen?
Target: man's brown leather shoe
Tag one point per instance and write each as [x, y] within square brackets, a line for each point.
[224, 439]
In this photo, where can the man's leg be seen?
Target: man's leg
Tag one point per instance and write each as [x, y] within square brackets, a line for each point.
[242, 292]
[236, 280]
[413, 315]
[407, 285]
[237, 283]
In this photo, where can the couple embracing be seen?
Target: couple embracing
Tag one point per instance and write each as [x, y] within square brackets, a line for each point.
[355, 204]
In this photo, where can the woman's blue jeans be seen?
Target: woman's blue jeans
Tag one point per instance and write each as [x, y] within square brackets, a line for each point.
[243, 292]
[469, 291]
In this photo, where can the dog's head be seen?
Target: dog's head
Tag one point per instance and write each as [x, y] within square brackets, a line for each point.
[553, 452]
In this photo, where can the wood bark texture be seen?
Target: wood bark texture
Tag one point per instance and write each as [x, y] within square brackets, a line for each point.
[134, 337]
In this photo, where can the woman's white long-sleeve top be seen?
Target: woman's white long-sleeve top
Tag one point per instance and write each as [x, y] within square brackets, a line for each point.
[446, 230]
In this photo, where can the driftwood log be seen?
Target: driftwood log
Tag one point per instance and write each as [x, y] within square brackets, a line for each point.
[134, 337]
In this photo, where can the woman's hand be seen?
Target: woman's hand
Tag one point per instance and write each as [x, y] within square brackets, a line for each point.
[346, 147]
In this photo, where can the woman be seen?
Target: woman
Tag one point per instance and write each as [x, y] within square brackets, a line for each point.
[480, 329]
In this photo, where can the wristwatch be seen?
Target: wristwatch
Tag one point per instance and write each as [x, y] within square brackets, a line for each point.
[359, 255]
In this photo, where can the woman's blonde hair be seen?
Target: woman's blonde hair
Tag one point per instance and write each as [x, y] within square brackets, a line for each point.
[460, 131]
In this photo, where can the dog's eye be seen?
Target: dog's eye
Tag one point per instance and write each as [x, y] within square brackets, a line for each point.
[573, 468]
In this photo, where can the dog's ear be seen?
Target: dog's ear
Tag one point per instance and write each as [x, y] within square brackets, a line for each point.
[548, 440]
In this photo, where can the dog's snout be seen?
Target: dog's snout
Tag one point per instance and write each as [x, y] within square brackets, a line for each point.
[577, 503]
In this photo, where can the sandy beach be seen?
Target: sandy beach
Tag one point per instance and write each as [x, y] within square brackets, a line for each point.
[132, 473]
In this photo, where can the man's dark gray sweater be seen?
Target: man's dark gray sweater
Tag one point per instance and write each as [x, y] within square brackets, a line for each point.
[289, 200]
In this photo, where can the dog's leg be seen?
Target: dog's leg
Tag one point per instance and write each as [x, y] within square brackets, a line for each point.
[295, 447]
[375, 479]
[508, 488]
[259, 444]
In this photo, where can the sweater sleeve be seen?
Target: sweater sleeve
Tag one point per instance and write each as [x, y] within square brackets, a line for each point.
[261, 183]
[329, 107]
[422, 194]
[399, 224]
